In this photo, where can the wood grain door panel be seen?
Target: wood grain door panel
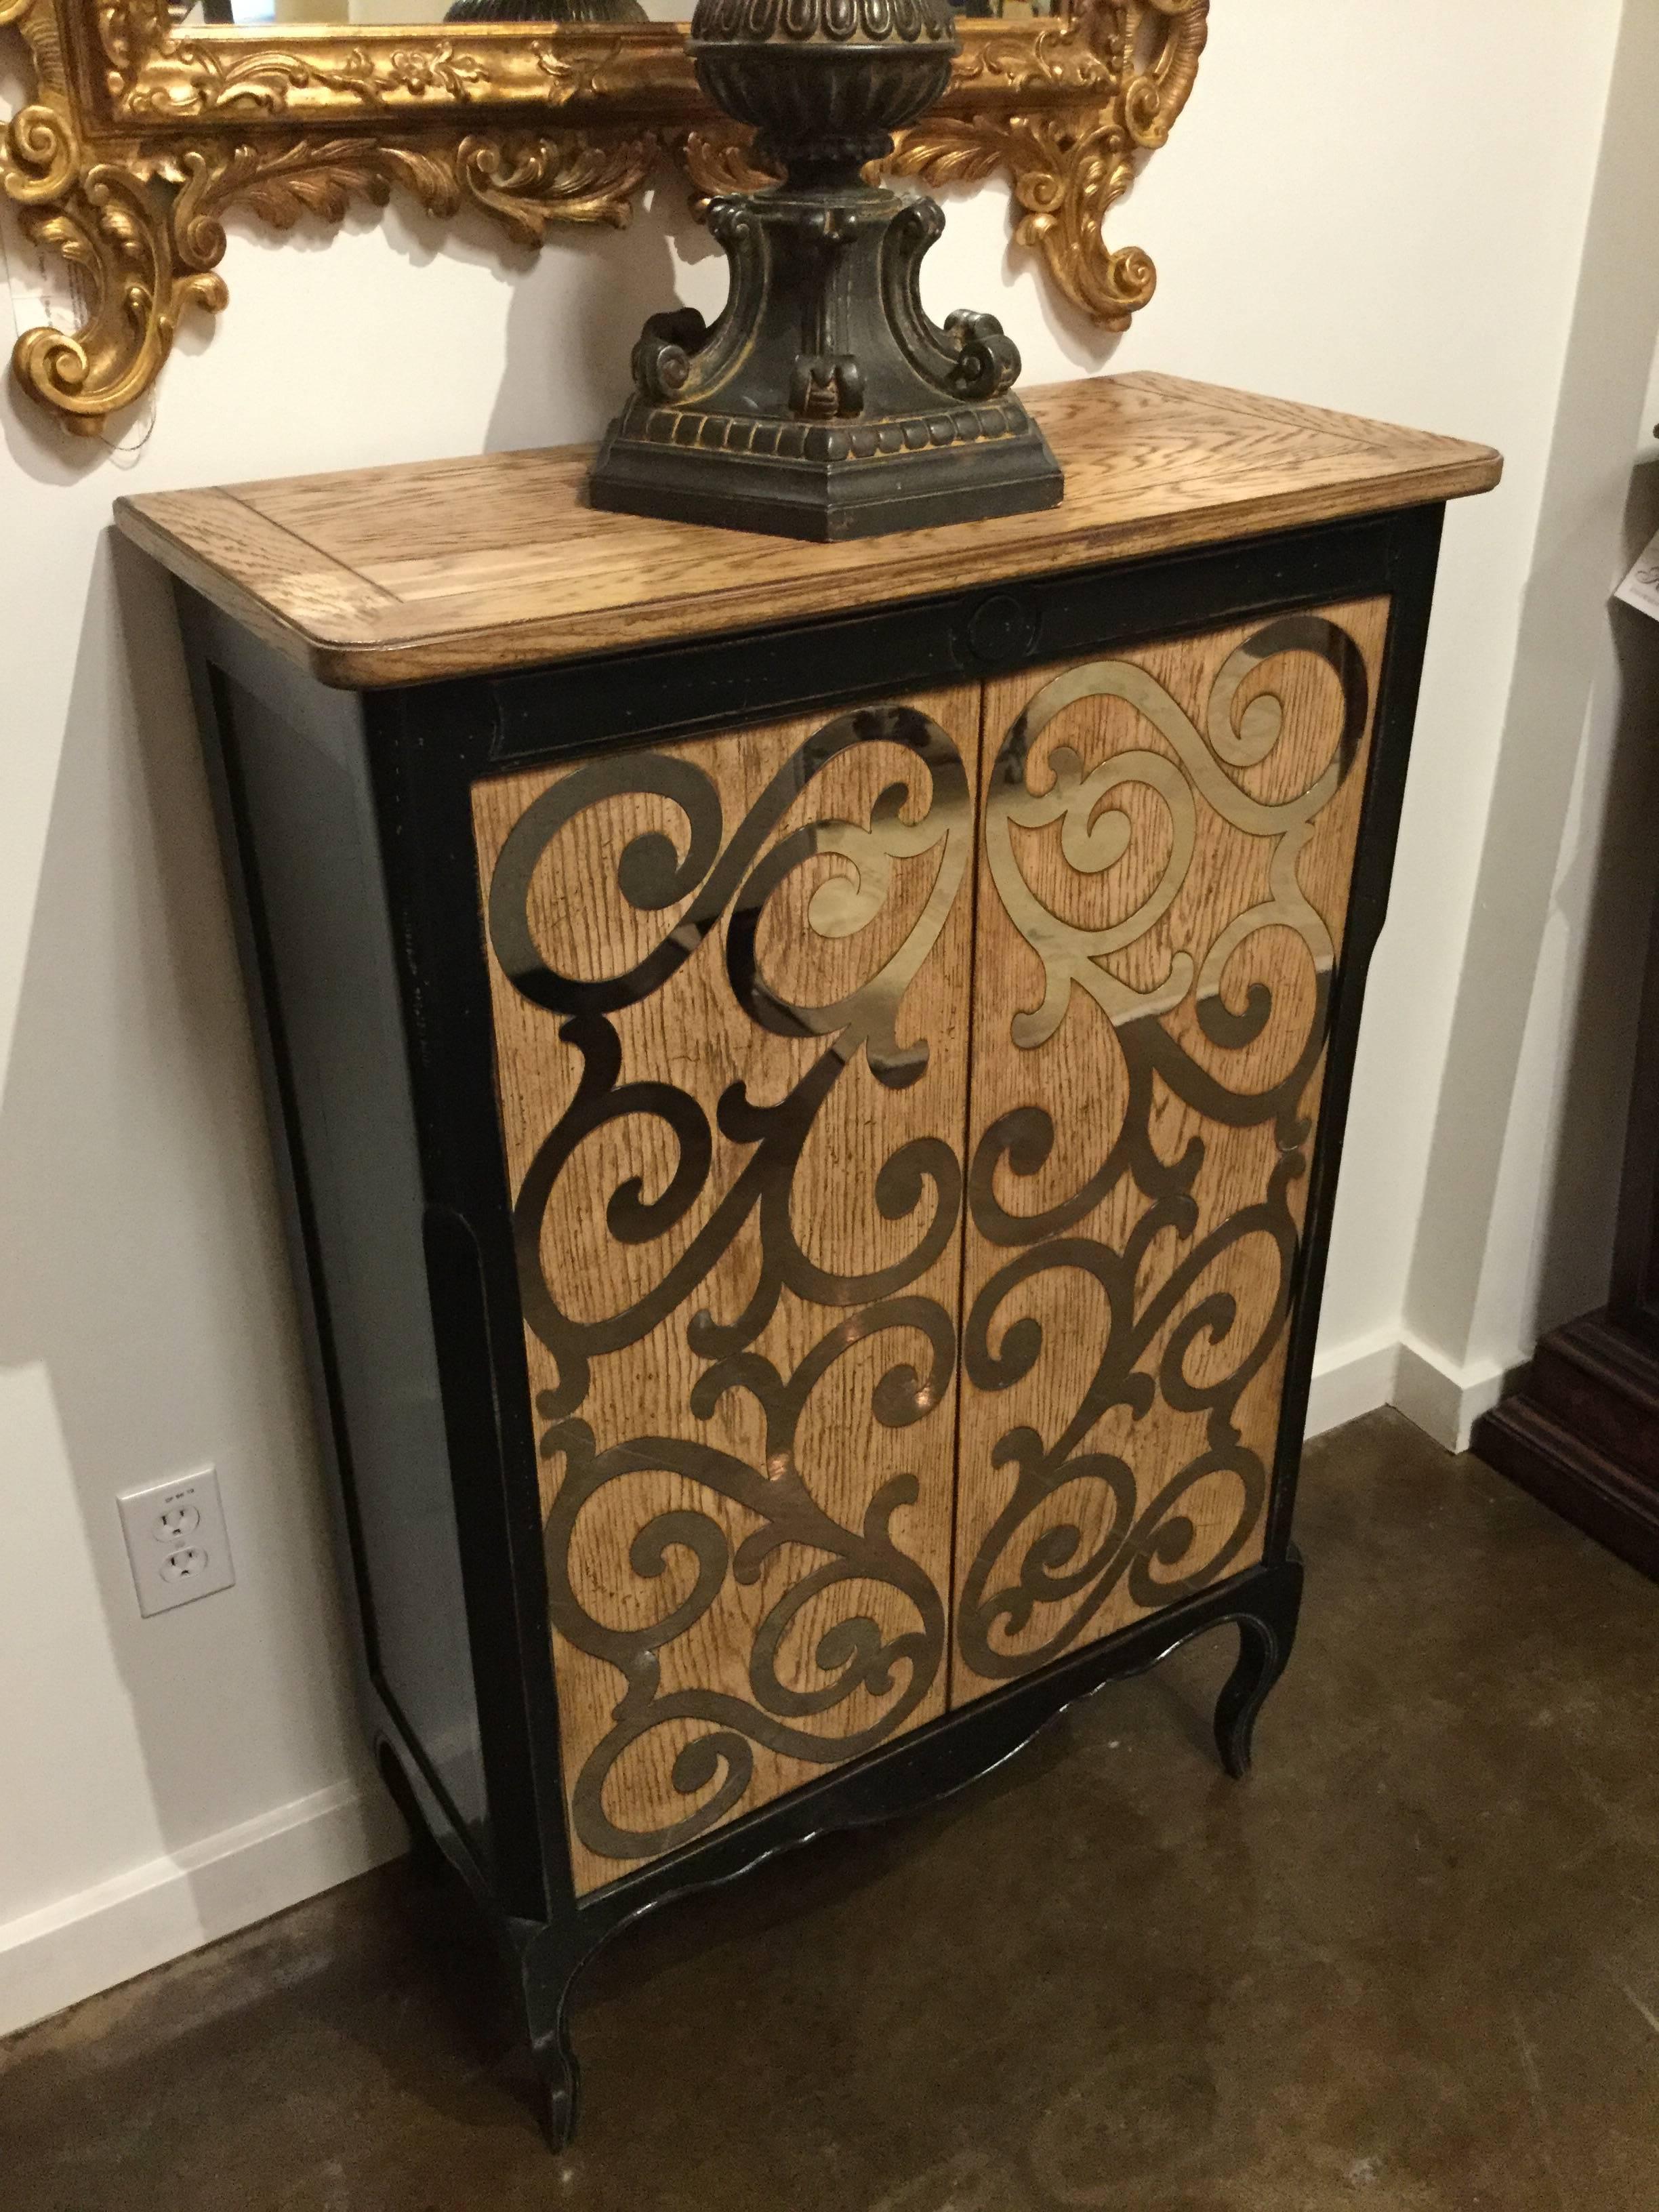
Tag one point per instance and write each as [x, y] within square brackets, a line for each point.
[731, 984]
[1166, 858]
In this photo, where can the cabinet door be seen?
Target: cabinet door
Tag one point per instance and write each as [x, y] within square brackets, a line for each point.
[1167, 846]
[731, 996]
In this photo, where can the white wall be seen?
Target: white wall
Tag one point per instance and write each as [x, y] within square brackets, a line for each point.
[1380, 206]
[1516, 1229]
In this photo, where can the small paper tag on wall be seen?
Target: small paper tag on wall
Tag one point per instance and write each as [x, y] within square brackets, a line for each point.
[43, 287]
[1641, 587]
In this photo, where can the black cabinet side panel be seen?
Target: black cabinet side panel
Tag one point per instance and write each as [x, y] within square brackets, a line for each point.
[312, 881]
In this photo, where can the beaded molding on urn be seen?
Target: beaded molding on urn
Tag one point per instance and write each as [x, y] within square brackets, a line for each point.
[834, 442]
[873, 21]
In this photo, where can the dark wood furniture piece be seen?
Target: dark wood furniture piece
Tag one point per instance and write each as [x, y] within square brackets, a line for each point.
[810, 1082]
[1582, 1431]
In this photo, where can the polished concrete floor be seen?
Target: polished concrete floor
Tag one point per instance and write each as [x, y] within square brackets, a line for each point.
[1411, 1963]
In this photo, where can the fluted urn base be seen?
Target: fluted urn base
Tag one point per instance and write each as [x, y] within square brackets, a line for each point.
[824, 403]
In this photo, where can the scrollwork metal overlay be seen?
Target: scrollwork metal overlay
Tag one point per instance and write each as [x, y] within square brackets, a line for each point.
[1154, 1316]
[733, 879]
[140, 135]
[1095, 837]
[851, 1656]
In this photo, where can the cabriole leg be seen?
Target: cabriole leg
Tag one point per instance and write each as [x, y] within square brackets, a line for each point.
[1266, 1634]
[556, 2083]
[545, 1976]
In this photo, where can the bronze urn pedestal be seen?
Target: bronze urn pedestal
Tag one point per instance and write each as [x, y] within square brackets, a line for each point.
[822, 402]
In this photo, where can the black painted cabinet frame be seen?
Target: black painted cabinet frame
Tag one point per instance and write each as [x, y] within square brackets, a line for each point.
[347, 827]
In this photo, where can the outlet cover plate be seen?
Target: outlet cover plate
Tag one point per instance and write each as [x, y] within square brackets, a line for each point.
[176, 1541]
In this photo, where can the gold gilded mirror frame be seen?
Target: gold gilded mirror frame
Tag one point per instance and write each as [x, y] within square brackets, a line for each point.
[141, 136]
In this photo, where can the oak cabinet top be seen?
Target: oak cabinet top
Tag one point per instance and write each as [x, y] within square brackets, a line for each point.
[442, 568]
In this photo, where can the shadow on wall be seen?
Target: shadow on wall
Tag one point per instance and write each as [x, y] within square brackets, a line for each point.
[144, 1274]
[574, 312]
[572, 367]
[1616, 904]
[569, 366]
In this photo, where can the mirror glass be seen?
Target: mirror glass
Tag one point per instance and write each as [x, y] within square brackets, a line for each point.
[252, 15]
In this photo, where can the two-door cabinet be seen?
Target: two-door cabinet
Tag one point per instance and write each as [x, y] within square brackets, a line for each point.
[809, 1082]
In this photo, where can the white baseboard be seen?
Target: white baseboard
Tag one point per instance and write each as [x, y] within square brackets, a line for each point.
[1394, 1367]
[1351, 1379]
[1444, 1400]
[102, 1936]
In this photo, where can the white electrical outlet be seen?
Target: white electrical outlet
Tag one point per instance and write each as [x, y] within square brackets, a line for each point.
[176, 1540]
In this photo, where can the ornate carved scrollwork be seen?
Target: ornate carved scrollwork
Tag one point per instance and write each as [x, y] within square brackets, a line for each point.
[1094, 96]
[142, 136]
[732, 878]
[1056, 1578]
[141, 221]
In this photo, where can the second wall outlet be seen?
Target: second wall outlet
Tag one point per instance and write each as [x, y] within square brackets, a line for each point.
[176, 1540]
